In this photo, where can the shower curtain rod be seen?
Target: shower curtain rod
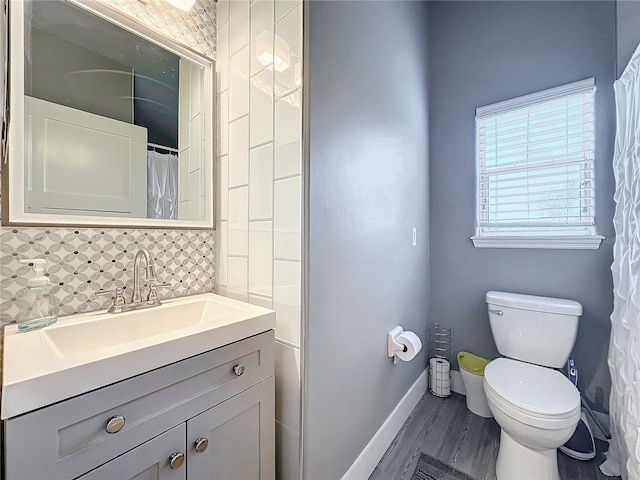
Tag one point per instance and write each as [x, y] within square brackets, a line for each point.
[155, 145]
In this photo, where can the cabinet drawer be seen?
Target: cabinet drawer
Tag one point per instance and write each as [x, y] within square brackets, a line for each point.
[70, 438]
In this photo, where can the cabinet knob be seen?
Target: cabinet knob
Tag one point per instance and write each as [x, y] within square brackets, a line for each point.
[115, 424]
[238, 369]
[201, 445]
[176, 460]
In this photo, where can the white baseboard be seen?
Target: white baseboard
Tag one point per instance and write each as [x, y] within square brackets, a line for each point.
[373, 452]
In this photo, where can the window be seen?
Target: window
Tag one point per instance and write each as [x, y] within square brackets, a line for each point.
[535, 170]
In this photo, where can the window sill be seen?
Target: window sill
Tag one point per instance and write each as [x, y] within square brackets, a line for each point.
[591, 242]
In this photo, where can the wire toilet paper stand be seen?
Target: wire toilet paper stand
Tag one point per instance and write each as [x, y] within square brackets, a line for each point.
[439, 360]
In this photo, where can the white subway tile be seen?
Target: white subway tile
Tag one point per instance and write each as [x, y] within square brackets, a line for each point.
[287, 453]
[260, 258]
[239, 84]
[221, 290]
[288, 154]
[238, 221]
[261, 110]
[223, 123]
[222, 13]
[284, 6]
[221, 247]
[237, 278]
[286, 300]
[222, 58]
[288, 47]
[223, 184]
[287, 373]
[261, 182]
[239, 152]
[261, 35]
[287, 232]
[238, 25]
[266, 302]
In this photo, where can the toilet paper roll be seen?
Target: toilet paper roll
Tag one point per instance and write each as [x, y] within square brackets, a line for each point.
[440, 379]
[411, 346]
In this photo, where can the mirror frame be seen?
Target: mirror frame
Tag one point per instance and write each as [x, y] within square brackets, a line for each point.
[13, 162]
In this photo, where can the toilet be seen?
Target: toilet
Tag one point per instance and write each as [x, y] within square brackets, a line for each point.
[536, 406]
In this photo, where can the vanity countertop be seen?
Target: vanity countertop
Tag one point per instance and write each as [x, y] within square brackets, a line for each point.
[84, 352]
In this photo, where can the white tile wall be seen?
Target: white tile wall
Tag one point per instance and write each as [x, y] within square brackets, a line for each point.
[288, 132]
[261, 107]
[239, 83]
[287, 453]
[286, 300]
[238, 25]
[237, 277]
[238, 236]
[261, 182]
[259, 208]
[221, 258]
[284, 6]
[261, 35]
[239, 152]
[287, 361]
[260, 264]
[287, 218]
[223, 188]
[288, 47]
[223, 123]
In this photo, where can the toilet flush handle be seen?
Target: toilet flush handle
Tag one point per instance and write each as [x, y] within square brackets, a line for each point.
[497, 312]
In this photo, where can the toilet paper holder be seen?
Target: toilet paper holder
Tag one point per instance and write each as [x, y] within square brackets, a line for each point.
[397, 348]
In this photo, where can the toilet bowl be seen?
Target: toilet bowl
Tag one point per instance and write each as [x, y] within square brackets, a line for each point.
[536, 407]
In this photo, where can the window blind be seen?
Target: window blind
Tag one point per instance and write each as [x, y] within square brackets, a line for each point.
[535, 164]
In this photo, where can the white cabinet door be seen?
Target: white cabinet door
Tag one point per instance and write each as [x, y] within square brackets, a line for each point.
[240, 434]
[81, 163]
[149, 461]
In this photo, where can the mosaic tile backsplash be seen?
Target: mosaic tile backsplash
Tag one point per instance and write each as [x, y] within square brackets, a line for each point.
[84, 260]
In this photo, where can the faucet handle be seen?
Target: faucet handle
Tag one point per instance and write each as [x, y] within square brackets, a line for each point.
[153, 291]
[118, 298]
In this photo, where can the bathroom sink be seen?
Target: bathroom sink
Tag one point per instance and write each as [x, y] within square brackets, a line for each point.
[106, 331]
[88, 351]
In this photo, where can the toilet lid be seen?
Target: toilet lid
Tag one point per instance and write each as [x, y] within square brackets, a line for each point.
[536, 389]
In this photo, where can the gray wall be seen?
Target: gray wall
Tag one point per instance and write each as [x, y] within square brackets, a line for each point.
[628, 31]
[368, 188]
[481, 53]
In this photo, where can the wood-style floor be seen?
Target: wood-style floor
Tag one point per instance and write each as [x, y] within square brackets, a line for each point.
[443, 428]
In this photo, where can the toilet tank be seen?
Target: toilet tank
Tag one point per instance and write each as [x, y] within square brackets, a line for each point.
[539, 330]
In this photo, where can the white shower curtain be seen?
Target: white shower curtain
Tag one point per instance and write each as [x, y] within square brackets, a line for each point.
[162, 185]
[624, 345]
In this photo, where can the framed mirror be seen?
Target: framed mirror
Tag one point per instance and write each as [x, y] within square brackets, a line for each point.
[110, 123]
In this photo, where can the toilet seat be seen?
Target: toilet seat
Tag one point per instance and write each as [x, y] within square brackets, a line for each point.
[532, 394]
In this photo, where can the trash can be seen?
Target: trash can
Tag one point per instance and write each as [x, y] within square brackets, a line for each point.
[472, 370]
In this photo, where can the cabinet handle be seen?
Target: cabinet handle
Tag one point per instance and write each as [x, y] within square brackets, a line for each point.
[176, 460]
[115, 424]
[201, 445]
[238, 369]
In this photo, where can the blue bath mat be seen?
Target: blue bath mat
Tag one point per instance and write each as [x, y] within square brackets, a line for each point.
[431, 469]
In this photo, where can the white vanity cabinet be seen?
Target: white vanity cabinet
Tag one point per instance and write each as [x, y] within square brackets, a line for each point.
[209, 416]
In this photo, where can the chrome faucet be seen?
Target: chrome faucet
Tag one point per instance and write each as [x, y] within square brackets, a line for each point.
[119, 303]
[150, 273]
